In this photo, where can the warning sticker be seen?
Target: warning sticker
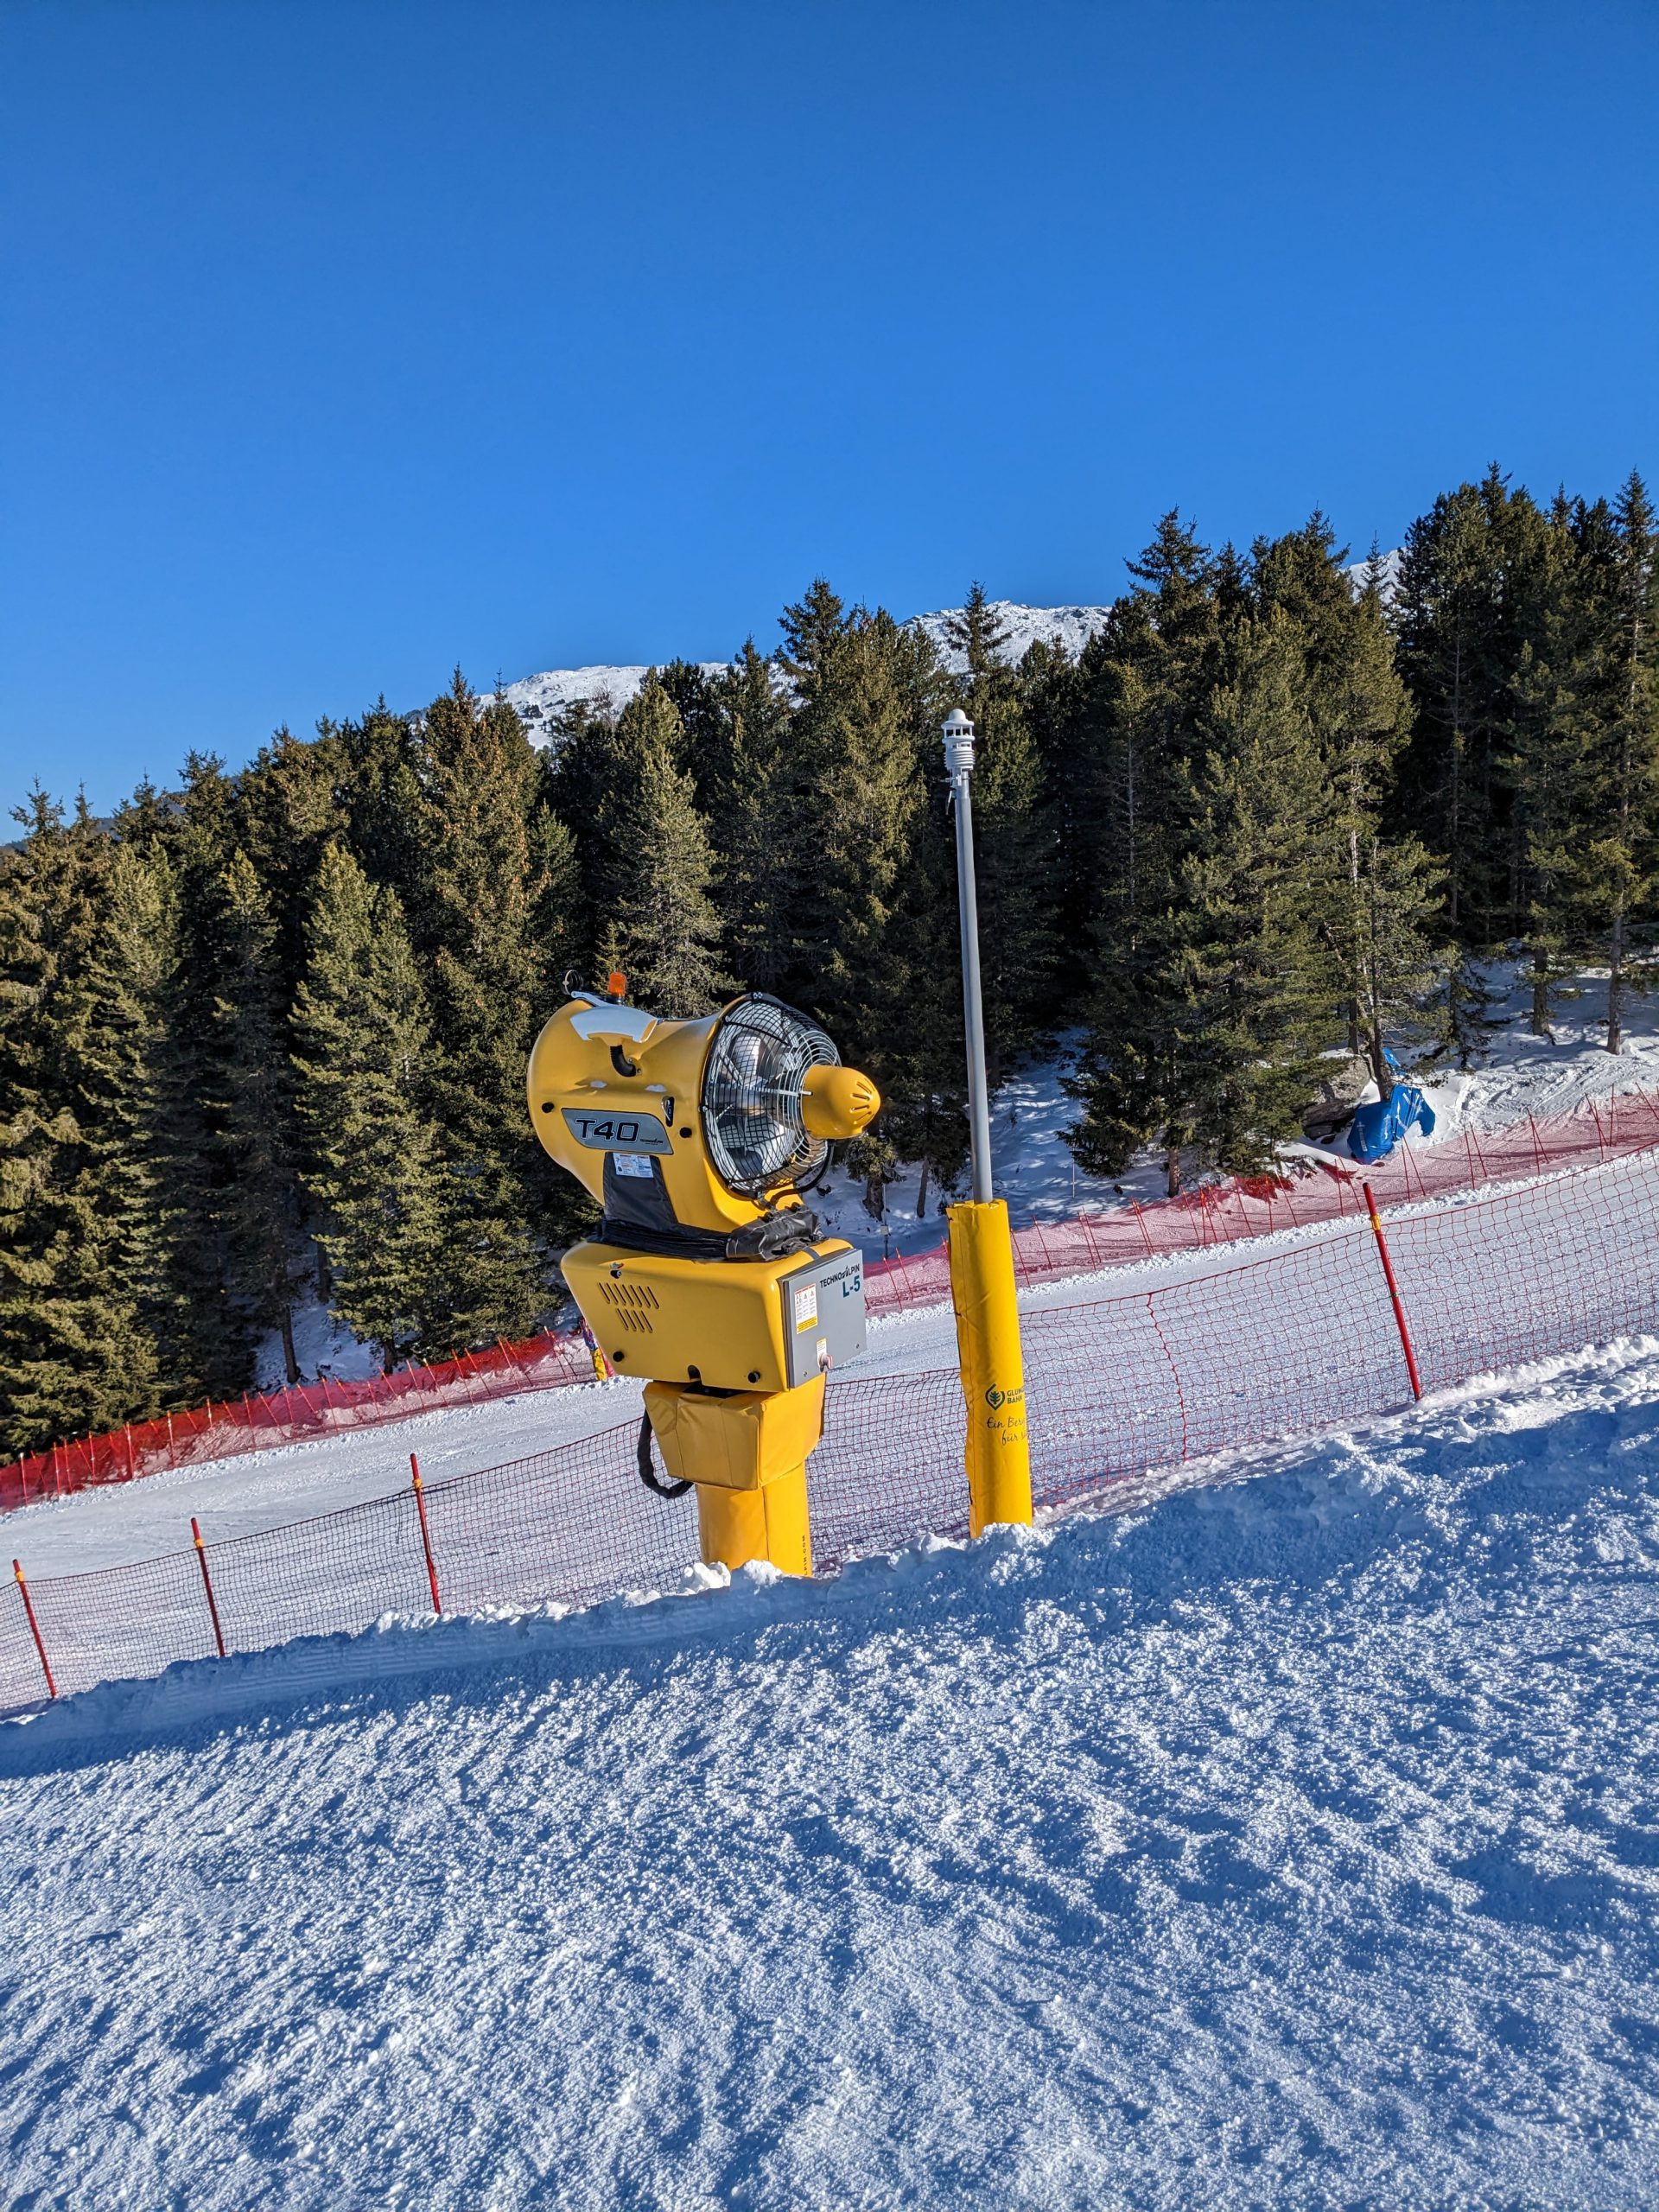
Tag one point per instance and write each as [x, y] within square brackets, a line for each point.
[806, 1307]
[633, 1163]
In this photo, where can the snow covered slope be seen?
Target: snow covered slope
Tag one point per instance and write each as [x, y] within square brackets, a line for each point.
[1291, 1845]
[1022, 627]
[539, 699]
[1521, 1074]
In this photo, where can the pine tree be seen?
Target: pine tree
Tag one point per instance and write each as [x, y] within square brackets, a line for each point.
[73, 1353]
[1630, 851]
[481, 917]
[380, 791]
[1145, 680]
[1259, 993]
[1393, 964]
[291, 803]
[1557, 697]
[812, 629]
[875, 949]
[1144, 685]
[1209, 1036]
[750, 792]
[1470, 575]
[1471, 1004]
[363, 1070]
[580, 768]
[860, 731]
[693, 694]
[137, 1128]
[201, 838]
[254, 1108]
[1050, 696]
[666, 930]
[1361, 716]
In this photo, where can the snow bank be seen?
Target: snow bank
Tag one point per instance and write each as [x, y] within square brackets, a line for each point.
[1293, 1844]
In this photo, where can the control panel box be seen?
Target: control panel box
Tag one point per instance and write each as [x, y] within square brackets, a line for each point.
[824, 1314]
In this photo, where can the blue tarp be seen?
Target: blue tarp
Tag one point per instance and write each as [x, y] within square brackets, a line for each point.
[1378, 1129]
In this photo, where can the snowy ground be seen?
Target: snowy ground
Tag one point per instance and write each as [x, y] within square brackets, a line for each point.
[1523, 1075]
[1295, 1843]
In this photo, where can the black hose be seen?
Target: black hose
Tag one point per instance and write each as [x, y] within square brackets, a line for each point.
[648, 1474]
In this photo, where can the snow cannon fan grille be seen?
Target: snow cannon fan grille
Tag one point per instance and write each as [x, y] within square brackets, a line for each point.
[752, 1121]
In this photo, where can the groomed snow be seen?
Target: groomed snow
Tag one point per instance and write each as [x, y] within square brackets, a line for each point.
[1292, 1843]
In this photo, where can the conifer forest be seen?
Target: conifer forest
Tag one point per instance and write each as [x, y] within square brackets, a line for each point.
[263, 1034]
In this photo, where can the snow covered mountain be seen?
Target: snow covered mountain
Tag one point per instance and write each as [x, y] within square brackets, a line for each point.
[540, 699]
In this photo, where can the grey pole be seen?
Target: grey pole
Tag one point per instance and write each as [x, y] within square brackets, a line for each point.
[959, 768]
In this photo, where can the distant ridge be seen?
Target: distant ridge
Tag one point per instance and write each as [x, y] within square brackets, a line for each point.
[540, 699]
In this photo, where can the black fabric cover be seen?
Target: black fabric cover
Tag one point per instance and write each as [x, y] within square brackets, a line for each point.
[639, 1217]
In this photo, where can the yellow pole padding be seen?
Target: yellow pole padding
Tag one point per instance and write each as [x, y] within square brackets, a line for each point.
[993, 1367]
[736, 1526]
[747, 1451]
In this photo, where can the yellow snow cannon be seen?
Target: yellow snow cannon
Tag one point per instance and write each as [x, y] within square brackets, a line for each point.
[709, 1277]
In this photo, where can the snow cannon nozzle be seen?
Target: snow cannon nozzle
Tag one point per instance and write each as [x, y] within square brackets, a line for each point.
[837, 1103]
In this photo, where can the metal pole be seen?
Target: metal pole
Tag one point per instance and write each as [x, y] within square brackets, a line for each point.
[959, 766]
[997, 1451]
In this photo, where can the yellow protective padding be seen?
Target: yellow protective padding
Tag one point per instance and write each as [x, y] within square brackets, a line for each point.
[719, 1322]
[837, 1103]
[743, 1442]
[736, 1526]
[993, 1367]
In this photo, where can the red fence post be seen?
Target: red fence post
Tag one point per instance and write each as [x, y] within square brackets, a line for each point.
[1393, 1292]
[206, 1583]
[426, 1533]
[35, 1628]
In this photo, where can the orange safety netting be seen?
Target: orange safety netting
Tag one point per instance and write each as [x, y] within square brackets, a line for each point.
[261, 1419]
[1260, 1205]
[1230, 1350]
[1213, 1215]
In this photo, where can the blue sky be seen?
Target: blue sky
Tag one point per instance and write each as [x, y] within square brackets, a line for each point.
[344, 342]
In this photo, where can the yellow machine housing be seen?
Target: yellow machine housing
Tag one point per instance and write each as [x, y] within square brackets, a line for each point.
[729, 1325]
[743, 1442]
[610, 1086]
[605, 1079]
[706, 1281]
